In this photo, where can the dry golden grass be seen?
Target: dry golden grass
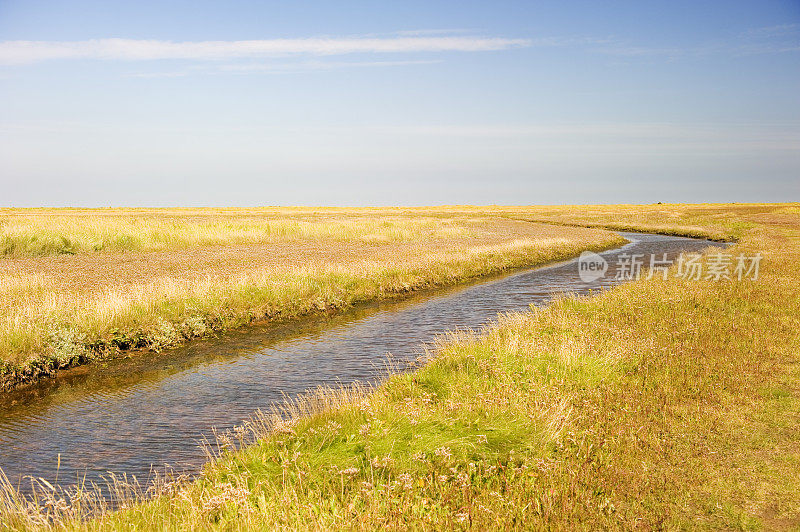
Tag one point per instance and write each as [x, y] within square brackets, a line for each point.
[51, 232]
[58, 310]
[714, 221]
[662, 404]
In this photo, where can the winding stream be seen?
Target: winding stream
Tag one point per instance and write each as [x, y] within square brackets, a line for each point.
[150, 410]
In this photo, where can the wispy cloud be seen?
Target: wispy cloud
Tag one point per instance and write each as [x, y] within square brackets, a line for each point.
[765, 40]
[22, 52]
[279, 68]
[306, 66]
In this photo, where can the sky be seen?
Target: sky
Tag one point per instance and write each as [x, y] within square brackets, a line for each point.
[195, 103]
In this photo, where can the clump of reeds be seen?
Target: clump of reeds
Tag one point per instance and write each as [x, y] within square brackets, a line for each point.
[43, 505]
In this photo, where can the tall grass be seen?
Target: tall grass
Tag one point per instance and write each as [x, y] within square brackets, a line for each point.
[662, 404]
[35, 235]
[47, 324]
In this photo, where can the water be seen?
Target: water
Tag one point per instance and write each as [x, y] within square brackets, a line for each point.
[138, 414]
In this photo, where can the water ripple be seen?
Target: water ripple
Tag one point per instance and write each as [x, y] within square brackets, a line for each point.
[141, 413]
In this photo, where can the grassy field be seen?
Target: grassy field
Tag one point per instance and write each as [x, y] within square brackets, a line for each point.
[666, 404]
[78, 285]
[722, 222]
[52, 233]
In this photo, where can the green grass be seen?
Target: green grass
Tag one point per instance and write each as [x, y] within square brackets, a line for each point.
[662, 404]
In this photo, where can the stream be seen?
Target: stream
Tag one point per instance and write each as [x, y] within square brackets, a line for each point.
[138, 414]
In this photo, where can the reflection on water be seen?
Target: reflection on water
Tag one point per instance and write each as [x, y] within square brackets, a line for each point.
[150, 410]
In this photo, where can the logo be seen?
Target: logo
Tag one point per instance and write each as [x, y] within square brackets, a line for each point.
[591, 266]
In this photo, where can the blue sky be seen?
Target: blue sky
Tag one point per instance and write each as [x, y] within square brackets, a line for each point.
[413, 103]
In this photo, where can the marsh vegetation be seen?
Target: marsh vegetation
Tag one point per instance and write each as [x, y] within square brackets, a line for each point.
[663, 403]
[82, 285]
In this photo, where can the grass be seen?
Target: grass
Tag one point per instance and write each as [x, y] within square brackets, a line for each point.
[52, 233]
[225, 269]
[721, 222]
[662, 404]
